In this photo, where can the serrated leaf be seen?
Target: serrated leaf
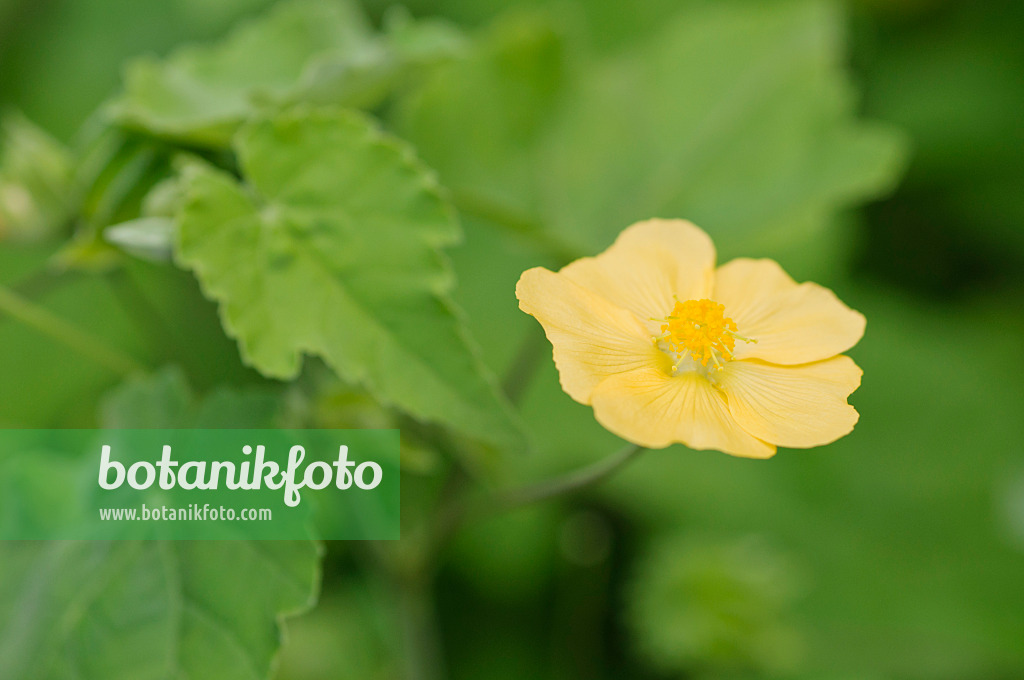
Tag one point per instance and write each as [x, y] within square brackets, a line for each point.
[149, 610]
[304, 50]
[331, 249]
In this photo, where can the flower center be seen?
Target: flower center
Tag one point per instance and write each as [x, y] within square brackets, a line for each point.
[700, 330]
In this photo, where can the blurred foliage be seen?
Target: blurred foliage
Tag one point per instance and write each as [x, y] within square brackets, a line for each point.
[769, 122]
[893, 553]
[353, 620]
[35, 182]
[164, 400]
[304, 51]
[719, 607]
[61, 59]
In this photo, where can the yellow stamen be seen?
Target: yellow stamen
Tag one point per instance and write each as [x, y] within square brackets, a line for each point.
[699, 329]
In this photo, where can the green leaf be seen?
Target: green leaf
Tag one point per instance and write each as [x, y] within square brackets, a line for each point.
[331, 249]
[737, 116]
[721, 606]
[164, 400]
[33, 362]
[478, 120]
[149, 610]
[161, 610]
[303, 50]
[115, 173]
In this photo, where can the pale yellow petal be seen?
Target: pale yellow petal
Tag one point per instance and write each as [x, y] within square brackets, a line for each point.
[651, 408]
[792, 323]
[649, 263]
[592, 339]
[795, 406]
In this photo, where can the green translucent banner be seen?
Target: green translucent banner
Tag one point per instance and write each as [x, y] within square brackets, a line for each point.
[199, 484]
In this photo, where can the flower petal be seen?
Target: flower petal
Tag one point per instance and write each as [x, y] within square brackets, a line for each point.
[651, 408]
[592, 338]
[792, 323]
[649, 263]
[794, 406]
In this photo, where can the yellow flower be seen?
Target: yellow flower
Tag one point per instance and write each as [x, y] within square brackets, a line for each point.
[666, 348]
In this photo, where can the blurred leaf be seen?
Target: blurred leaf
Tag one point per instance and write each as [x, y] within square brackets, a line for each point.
[422, 41]
[158, 401]
[331, 249]
[164, 400]
[35, 182]
[303, 50]
[137, 309]
[61, 60]
[117, 170]
[714, 609]
[164, 198]
[150, 235]
[139, 610]
[32, 364]
[115, 173]
[201, 94]
[737, 116]
[478, 120]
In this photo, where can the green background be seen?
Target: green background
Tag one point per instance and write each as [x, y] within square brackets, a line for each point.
[873, 146]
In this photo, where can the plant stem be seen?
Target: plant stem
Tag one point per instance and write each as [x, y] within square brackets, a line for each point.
[423, 655]
[451, 516]
[573, 481]
[81, 341]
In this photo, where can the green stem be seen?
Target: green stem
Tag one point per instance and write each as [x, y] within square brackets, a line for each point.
[571, 482]
[423, 656]
[74, 337]
[451, 515]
